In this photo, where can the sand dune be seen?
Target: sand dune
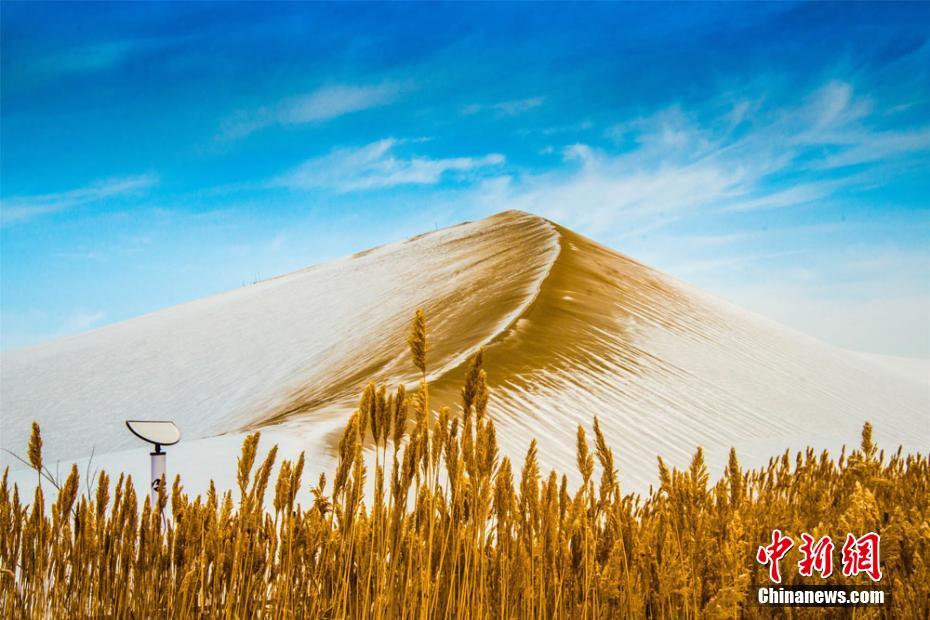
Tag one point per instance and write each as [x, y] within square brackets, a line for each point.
[571, 330]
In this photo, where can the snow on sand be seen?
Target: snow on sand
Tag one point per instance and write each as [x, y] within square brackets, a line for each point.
[571, 330]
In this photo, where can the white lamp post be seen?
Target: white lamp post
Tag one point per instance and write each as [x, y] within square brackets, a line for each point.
[160, 433]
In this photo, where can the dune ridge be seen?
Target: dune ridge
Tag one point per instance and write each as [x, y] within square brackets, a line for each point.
[571, 329]
[302, 345]
[455, 335]
[668, 368]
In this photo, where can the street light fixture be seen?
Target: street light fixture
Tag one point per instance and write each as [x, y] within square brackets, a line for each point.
[160, 433]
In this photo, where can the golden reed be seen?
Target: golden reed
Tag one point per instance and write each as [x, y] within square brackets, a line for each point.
[450, 532]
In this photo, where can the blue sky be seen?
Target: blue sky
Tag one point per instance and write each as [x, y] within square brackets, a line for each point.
[774, 154]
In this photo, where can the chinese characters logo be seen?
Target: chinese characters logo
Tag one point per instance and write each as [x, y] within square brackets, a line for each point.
[858, 555]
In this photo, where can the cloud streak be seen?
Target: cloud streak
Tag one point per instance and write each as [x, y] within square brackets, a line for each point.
[323, 104]
[676, 164]
[23, 208]
[375, 166]
[513, 107]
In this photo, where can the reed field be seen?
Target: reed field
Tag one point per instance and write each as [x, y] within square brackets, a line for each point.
[423, 518]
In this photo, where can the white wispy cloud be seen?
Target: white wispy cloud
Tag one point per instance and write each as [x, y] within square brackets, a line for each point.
[792, 196]
[22, 208]
[678, 163]
[504, 108]
[375, 166]
[717, 240]
[879, 146]
[77, 61]
[81, 320]
[680, 170]
[834, 105]
[600, 190]
[323, 104]
[89, 58]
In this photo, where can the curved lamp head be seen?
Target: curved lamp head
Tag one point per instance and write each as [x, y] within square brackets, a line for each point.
[158, 432]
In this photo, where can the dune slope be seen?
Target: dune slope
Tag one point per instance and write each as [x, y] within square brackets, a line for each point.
[303, 344]
[667, 368]
[571, 330]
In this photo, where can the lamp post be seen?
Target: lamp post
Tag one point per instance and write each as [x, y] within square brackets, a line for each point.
[159, 433]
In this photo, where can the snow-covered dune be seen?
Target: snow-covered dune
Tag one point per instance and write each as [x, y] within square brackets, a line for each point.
[571, 330]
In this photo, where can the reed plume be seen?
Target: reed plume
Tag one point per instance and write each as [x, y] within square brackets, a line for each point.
[35, 448]
[445, 528]
[418, 342]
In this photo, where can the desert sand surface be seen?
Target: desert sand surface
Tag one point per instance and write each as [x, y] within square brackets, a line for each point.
[570, 330]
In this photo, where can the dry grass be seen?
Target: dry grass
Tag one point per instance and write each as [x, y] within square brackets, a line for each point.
[449, 530]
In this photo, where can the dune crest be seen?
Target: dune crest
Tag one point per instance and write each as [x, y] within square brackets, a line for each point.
[571, 330]
[300, 346]
[668, 368]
